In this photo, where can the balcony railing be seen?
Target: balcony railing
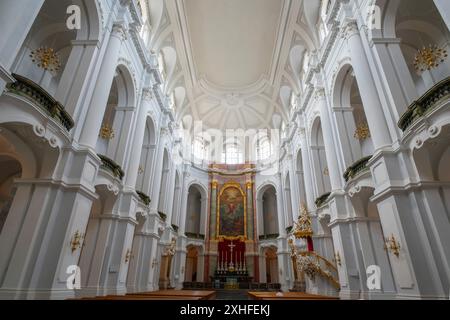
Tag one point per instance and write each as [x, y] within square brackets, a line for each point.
[145, 198]
[162, 215]
[26, 88]
[425, 103]
[322, 199]
[192, 235]
[112, 167]
[268, 236]
[356, 168]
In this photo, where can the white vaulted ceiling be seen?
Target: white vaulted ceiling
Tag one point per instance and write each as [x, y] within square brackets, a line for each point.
[234, 58]
[233, 41]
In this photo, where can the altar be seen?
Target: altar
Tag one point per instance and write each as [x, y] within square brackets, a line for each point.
[231, 270]
[232, 257]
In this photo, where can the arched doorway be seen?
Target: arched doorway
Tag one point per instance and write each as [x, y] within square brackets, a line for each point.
[191, 269]
[271, 265]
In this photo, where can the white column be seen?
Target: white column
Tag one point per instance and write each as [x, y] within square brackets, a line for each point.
[330, 150]
[371, 101]
[443, 7]
[94, 117]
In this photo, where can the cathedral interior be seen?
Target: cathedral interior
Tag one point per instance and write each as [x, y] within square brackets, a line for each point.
[286, 148]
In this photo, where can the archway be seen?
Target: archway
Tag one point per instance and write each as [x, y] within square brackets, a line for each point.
[192, 260]
[301, 179]
[116, 124]
[146, 167]
[194, 211]
[319, 159]
[352, 122]
[419, 24]
[74, 50]
[176, 201]
[271, 258]
[268, 212]
[289, 216]
[164, 180]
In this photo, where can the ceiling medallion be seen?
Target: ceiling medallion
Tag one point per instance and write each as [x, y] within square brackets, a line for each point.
[46, 58]
[429, 58]
[232, 99]
[362, 131]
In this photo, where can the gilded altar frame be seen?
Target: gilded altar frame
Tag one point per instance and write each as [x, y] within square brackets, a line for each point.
[244, 196]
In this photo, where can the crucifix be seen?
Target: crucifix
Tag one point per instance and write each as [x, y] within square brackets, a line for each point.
[231, 246]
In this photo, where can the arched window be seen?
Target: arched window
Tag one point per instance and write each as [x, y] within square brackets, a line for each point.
[171, 100]
[162, 65]
[305, 64]
[199, 149]
[146, 27]
[232, 154]
[264, 149]
[323, 28]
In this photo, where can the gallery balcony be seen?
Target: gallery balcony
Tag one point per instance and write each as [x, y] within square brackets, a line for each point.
[357, 168]
[437, 96]
[112, 167]
[195, 236]
[41, 99]
[426, 117]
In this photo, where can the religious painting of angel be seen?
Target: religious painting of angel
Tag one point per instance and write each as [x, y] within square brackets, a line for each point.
[231, 213]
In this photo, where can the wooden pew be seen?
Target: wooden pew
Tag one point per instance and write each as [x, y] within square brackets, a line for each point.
[287, 296]
[140, 297]
[202, 294]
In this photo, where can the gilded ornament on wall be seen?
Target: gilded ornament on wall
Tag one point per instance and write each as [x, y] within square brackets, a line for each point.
[362, 131]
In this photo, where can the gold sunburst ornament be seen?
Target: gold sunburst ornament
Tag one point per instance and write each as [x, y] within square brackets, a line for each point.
[429, 58]
[362, 131]
[106, 132]
[46, 58]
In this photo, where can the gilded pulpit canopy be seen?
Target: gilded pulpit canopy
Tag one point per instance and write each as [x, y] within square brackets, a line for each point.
[303, 226]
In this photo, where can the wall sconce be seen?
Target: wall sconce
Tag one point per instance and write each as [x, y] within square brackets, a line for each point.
[77, 241]
[337, 258]
[128, 256]
[154, 263]
[393, 245]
